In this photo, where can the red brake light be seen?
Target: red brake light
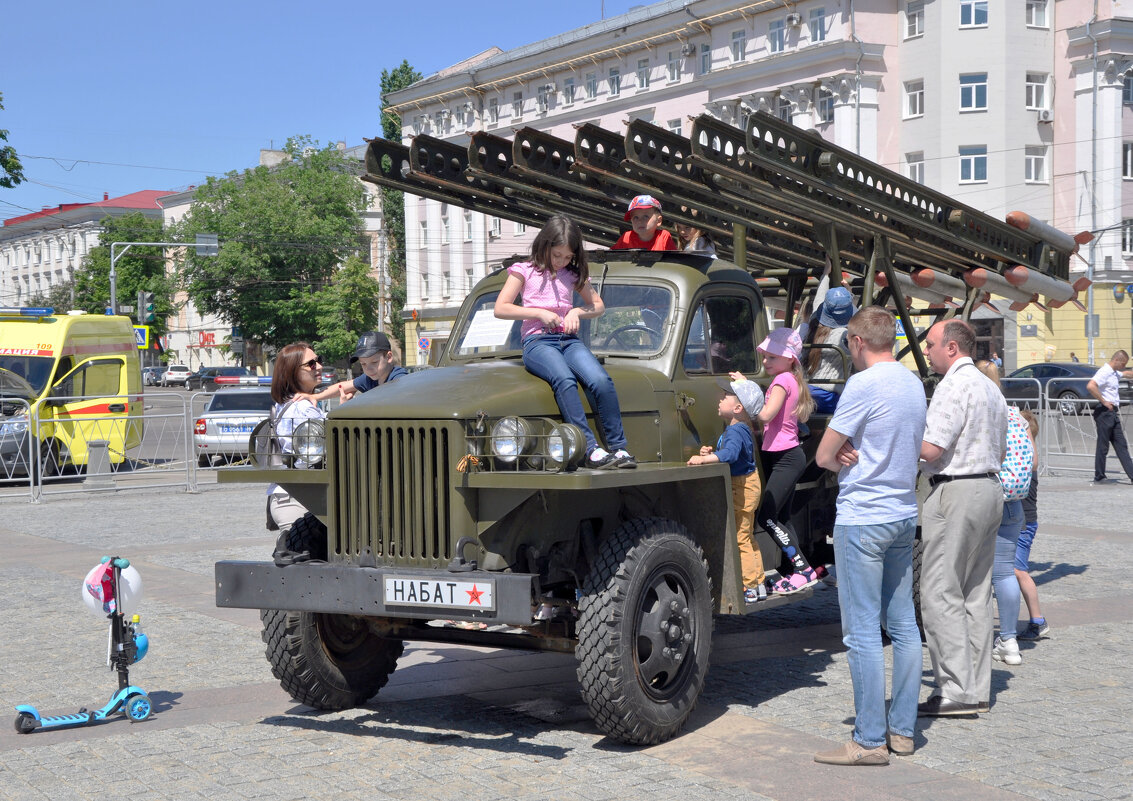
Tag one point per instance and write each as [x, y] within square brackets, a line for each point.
[199, 426]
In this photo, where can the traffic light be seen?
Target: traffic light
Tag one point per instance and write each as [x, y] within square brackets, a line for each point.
[145, 309]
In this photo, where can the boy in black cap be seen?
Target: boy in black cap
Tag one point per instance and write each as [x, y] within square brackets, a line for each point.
[374, 355]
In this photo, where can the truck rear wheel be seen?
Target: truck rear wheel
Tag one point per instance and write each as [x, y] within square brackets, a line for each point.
[325, 661]
[645, 631]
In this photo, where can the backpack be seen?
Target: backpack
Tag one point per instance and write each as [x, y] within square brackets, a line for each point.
[263, 444]
[1015, 472]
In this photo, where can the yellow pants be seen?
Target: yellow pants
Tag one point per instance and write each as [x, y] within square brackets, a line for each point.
[745, 500]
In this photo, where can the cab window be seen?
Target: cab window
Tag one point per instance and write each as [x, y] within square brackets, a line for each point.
[93, 379]
[721, 337]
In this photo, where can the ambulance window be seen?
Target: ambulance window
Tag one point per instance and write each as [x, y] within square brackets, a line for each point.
[99, 378]
[64, 368]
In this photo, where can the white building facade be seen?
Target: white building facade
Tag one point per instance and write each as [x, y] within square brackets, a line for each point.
[1003, 104]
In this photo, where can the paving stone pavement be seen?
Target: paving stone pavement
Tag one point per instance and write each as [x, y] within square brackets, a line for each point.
[460, 722]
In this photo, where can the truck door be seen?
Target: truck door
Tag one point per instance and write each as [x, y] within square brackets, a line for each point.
[89, 404]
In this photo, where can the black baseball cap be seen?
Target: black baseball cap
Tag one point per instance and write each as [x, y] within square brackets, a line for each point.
[371, 343]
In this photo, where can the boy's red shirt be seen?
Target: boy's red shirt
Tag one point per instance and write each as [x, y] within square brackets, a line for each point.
[662, 240]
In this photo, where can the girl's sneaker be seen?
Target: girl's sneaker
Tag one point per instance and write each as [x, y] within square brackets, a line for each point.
[601, 459]
[625, 460]
[796, 582]
[755, 595]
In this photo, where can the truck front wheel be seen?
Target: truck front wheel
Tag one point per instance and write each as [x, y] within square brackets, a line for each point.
[326, 661]
[645, 631]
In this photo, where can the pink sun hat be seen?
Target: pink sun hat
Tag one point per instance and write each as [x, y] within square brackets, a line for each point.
[783, 342]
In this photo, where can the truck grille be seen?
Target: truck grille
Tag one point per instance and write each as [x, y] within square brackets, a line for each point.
[391, 491]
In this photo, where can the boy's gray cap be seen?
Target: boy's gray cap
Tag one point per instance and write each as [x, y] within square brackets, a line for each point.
[748, 393]
[371, 343]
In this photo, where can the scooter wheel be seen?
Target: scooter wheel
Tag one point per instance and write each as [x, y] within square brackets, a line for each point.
[139, 708]
[25, 723]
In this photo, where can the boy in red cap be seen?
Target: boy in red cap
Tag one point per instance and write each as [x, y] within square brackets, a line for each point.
[644, 214]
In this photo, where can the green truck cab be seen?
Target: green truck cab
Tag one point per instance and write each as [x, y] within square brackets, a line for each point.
[448, 505]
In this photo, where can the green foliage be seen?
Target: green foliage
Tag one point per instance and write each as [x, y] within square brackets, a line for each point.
[57, 296]
[140, 269]
[345, 309]
[11, 170]
[393, 201]
[283, 232]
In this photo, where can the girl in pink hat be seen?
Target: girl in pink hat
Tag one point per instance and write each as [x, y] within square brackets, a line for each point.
[788, 403]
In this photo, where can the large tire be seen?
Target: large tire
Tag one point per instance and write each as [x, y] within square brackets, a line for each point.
[645, 631]
[325, 661]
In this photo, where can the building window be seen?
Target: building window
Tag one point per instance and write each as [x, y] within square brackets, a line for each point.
[614, 82]
[467, 226]
[469, 279]
[783, 108]
[914, 99]
[568, 92]
[973, 92]
[424, 243]
[1035, 168]
[973, 13]
[446, 285]
[591, 85]
[825, 105]
[674, 64]
[674, 126]
[777, 36]
[458, 113]
[1127, 160]
[914, 19]
[439, 120]
[1126, 237]
[517, 105]
[642, 73]
[1036, 14]
[520, 229]
[419, 123]
[817, 24]
[705, 59]
[1127, 90]
[496, 228]
[973, 165]
[914, 166]
[424, 285]
[739, 46]
[543, 97]
[444, 230]
[493, 111]
[1036, 91]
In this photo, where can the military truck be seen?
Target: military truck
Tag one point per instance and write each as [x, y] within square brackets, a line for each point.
[449, 506]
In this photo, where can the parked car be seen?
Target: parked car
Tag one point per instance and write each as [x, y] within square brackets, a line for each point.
[176, 374]
[205, 378]
[223, 428]
[327, 376]
[1063, 382]
[151, 376]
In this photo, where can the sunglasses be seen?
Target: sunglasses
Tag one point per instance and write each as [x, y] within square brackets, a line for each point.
[312, 364]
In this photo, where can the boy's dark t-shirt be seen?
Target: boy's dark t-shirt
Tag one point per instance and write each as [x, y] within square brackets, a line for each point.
[364, 383]
[736, 447]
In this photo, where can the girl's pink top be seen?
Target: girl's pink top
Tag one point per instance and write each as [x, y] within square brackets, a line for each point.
[543, 289]
[782, 432]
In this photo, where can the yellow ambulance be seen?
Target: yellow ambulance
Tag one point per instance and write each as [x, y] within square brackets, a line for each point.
[66, 380]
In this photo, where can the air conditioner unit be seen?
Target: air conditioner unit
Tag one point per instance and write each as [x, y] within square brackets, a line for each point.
[1046, 115]
[794, 20]
[688, 49]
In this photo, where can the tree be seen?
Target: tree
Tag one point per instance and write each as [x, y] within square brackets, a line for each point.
[140, 269]
[11, 171]
[58, 296]
[393, 201]
[283, 232]
[346, 308]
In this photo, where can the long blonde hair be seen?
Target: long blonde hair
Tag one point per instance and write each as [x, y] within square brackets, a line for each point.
[805, 406]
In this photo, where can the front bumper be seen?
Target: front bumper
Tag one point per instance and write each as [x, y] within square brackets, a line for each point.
[349, 590]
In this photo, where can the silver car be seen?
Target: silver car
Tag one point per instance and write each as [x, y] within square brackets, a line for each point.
[223, 428]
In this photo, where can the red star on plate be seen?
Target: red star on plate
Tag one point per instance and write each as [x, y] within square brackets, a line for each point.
[474, 595]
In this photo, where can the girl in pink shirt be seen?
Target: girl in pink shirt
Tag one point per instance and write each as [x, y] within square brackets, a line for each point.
[544, 288]
[788, 403]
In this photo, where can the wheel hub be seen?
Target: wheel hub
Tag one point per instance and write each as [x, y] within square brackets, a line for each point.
[665, 635]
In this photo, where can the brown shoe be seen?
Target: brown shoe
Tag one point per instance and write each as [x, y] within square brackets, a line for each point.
[899, 744]
[852, 753]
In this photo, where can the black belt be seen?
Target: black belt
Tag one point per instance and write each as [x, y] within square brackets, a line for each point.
[942, 479]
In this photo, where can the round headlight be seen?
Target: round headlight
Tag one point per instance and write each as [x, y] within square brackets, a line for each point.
[309, 441]
[512, 437]
[566, 446]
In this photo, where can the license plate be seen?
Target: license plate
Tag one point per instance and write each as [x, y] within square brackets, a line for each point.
[244, 428]
[446, 594]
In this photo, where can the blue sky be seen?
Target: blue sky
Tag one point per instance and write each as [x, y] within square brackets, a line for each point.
[165, 94]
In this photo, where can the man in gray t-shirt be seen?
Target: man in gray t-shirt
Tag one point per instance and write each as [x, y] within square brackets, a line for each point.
[873, 442]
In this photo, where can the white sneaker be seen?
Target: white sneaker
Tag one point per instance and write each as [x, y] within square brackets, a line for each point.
[1006, 651]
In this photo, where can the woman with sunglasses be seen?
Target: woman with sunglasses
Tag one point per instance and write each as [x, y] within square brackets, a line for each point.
[296, 373]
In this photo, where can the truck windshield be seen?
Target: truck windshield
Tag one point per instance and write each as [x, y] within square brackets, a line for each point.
[24, 376]
[635, 323]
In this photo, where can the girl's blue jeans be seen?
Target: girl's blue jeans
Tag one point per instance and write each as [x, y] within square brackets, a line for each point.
[564, 361]
[1003, 580]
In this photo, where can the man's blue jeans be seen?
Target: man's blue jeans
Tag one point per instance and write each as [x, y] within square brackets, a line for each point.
[563, 361]
[875, 587]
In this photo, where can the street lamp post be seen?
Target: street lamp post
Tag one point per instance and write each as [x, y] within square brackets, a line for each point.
[206, 245]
